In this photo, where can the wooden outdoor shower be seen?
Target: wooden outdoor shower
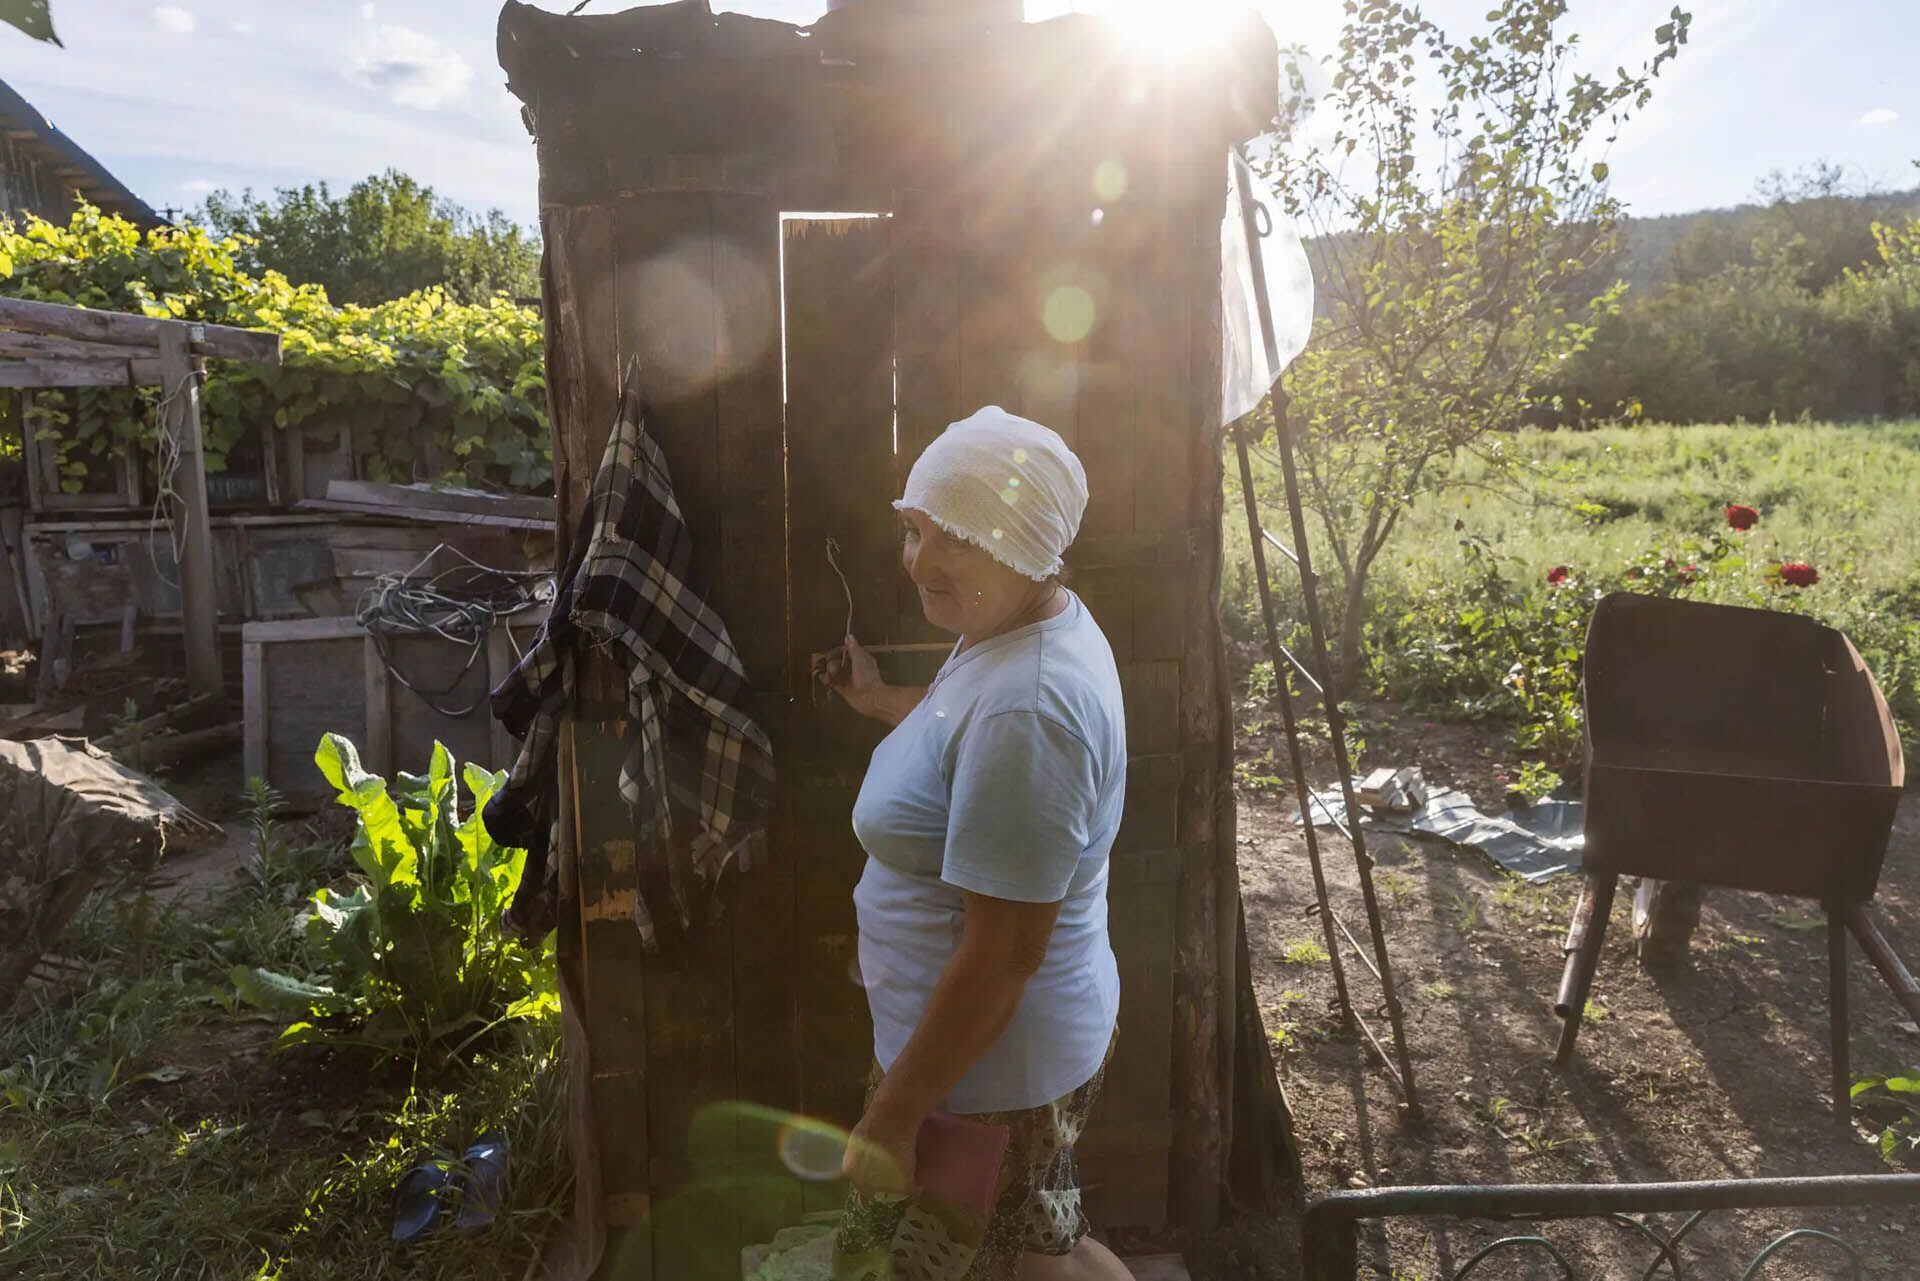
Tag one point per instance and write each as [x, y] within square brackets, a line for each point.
[1023, 215]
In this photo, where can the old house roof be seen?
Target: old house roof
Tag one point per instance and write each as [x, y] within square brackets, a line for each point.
[27, 127]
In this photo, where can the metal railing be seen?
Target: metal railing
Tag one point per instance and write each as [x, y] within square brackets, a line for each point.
[1330, 1232]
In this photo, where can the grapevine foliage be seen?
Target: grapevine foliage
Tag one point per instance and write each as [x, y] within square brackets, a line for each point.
[433, 389]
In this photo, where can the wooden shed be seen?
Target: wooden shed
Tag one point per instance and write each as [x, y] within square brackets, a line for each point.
[824, 245]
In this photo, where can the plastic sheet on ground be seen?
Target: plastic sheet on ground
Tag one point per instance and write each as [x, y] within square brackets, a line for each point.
[68, 814]
[1535, 842]
[1246, 372]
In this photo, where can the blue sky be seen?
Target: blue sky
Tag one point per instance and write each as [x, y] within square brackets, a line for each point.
[183, 96]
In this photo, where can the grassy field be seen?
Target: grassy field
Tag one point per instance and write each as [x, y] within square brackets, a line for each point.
[1844, 499]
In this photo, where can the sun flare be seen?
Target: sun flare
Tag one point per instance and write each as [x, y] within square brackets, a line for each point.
[1169, 27]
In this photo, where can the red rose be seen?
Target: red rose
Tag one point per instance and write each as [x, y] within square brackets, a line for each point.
[1740, 516]
[1558, 575]
[1798, 573]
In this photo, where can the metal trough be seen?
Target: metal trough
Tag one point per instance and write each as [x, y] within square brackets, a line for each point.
[1732, 747]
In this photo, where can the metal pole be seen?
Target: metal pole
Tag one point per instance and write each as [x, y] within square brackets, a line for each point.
[1283, 696]
[1336, 723]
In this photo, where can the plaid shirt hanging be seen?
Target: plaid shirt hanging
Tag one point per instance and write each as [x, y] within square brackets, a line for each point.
[698, 775]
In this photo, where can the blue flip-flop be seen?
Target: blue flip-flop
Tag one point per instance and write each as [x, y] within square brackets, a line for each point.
[419, 1198]
[483, 1182]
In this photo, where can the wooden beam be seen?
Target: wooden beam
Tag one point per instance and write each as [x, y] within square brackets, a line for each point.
[180, 419]
[79, 373]
[60, 321]
[46, 346]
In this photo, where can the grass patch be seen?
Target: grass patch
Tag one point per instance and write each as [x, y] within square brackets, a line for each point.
[1464, 624]
[1303, 952]
[145, 1130]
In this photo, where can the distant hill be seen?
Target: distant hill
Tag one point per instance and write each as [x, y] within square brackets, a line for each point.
[1651, 246]
[1835, 229]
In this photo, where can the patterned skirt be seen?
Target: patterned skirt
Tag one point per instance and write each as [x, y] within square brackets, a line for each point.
[1036, 1206]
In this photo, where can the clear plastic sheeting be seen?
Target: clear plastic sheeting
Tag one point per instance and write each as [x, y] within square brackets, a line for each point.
[1535, 842]
[1246, 371]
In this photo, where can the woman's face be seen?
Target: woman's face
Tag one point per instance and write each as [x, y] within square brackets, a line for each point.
[962, 589]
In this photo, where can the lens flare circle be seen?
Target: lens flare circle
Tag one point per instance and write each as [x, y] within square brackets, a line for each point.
[1068, 313]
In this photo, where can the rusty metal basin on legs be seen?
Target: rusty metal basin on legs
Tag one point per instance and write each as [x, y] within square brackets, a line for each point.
[1734, 747]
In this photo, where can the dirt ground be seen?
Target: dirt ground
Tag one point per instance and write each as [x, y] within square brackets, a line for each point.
[1720, 1071]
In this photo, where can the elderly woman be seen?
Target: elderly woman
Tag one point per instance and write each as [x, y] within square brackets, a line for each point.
[987, 815]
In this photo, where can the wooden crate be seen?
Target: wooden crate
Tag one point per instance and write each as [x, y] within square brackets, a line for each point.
[302, 678]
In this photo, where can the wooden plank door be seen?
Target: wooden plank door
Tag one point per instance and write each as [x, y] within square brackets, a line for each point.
[838, 290]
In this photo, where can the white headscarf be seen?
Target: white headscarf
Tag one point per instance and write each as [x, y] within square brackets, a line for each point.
[1005, 484]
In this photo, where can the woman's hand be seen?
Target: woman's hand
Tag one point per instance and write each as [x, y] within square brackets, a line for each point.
[880, 1155]
[850, 672]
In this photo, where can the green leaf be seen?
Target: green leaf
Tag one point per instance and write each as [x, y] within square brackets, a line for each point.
[282, 993]
[31, 16]
[301, 1033]
[381, 845]
[539, 1005]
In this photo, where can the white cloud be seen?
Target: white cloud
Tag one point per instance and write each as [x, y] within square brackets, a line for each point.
[195, 188]
[1879, 116]
[173, 18]
[366, 11]
[411, 68]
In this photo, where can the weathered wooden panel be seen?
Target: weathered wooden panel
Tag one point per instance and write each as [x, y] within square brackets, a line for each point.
[839, 352]
[839, 305]
[927, 305]
[669, 320]
[1137, 1086]
[1104, 406]
[286, 568]
[303, 689]
[584, 350]
[615, 999]
[446, 704]
[752, 592]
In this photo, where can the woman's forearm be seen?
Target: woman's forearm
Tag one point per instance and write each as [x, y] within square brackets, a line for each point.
[969, 1008]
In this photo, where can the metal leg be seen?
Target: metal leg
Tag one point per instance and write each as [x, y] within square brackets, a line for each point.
[1898, 979]
[1584, 937]
[1837, 1013]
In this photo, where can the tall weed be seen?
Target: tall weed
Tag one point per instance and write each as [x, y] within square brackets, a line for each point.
[412, 961]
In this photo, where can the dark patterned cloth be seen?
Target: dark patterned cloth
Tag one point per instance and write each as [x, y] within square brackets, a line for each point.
[1036, 1206]
[698, 775]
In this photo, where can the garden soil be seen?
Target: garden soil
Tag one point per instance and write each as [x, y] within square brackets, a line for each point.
[1718, 1071]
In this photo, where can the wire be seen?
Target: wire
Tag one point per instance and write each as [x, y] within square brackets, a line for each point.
[460, 603]
[833, 559]
[166, 466]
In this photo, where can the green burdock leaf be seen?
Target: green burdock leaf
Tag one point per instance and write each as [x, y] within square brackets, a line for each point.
[381, 845]
[282, 993]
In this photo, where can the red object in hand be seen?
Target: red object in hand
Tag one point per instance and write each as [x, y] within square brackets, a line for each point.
[958, 1160]
[1798, 573]
[1558, 575]
[1740, 516]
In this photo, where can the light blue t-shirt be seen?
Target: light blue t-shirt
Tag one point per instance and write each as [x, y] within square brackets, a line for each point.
[1007, 780]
